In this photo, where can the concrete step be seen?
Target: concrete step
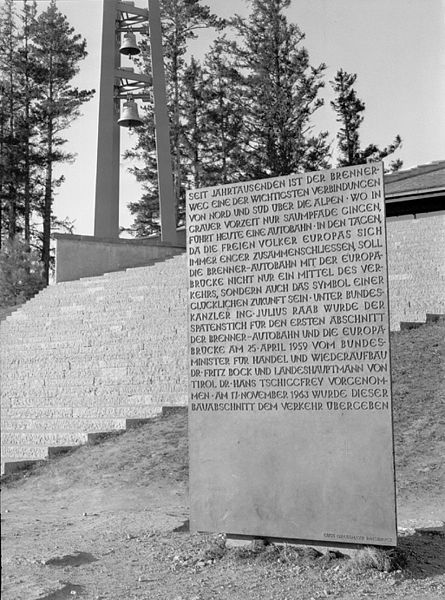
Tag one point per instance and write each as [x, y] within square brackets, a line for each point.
[98, 331]
[148, 315]
[14, 457]
[429, 319]
[116, 396]
[174, 269]
[92, 377]
[97, 308]
[435, 318]
[42, 438]
[122, 290]
[162, 330]
[99, 413]
[67, 424]
[99, 339]
[100, 390]
[23, 452]
[65, 369]
[81, 357]
[15, 464]
[156, 281]
[75, 360]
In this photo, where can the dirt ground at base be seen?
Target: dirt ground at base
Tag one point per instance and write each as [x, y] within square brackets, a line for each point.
[109, 521]
[93, 526]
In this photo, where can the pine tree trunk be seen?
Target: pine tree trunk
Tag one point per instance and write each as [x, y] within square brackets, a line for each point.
[26, 175]
[2, 165]
[27, 169]
[47, 206]
[12, 208]
[12, 213]
[223, 137]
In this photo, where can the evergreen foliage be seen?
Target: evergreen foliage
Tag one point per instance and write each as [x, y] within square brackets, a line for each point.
[193, 126]
[280, 93]
[57, 52]
[181, 19]
[223, 156]
[245, 112]
[38, 104]
[349, 109]
[21, 272]
[11, 207]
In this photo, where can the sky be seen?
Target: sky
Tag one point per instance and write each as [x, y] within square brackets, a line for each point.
[396, 47]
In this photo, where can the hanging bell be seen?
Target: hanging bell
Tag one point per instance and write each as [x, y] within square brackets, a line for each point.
[129, 46]
[130, 116]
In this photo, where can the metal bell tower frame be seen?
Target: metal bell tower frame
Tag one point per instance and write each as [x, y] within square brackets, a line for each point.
[115, 83]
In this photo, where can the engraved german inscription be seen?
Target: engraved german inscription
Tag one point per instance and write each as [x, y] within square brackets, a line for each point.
[289, 344]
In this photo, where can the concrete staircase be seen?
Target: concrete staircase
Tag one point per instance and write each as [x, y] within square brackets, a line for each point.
[94, 355]
[100, 354]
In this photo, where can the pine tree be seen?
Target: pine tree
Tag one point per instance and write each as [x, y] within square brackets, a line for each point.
[349, 109]
[223, 159]
[40, 59]
[3, 161]
[19, 150]
[29, 95]
[280, 92]
[58, 51]
[145, 210]
[10, 173]
[181, 19]
[21, 272]
[193, 122]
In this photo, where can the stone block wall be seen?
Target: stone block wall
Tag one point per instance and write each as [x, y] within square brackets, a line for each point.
[416, 266]
[86, 356]
[87, 256]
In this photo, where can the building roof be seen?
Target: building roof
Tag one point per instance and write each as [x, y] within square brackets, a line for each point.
[417, 190]
[419, 179]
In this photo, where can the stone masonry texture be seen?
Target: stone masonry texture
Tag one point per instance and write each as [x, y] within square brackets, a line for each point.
[84, 356]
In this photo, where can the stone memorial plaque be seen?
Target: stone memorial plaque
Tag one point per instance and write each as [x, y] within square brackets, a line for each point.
[290, 386]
